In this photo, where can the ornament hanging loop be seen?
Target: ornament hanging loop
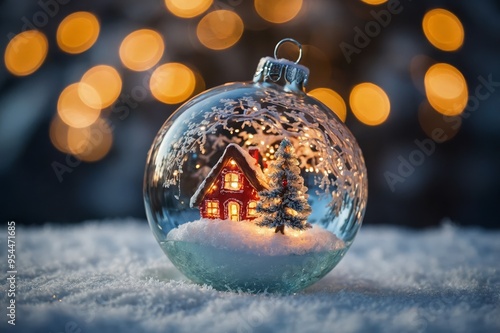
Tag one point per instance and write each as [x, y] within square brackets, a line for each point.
[283, 72]
[289, 40]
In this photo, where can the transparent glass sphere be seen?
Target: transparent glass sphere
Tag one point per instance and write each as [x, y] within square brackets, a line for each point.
[206, 171]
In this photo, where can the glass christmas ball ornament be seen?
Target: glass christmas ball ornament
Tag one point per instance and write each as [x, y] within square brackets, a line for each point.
[256, 186]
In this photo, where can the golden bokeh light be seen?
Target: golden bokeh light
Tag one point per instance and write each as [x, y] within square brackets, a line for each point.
[141, 49]
[188, 8]
[220, 29]
[278, 11]
[331, 99]
[374, 2]
[77, 32]
[77, 139]
[446, 89]
[104, 80]
[436, 126]
[369, 103]
[172, 83]
[443, 29]
[92, 143]
[73, 111]
[26, 52]
[58, 133]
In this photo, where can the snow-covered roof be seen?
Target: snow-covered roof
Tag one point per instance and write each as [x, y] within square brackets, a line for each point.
[246, 163]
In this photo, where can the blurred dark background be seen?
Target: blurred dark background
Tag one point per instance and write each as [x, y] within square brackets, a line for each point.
[41, 180]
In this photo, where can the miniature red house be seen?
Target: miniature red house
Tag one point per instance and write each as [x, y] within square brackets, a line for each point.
[229, 192]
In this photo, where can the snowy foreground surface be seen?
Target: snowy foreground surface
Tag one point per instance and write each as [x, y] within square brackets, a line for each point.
[247, 237]
[113, 277]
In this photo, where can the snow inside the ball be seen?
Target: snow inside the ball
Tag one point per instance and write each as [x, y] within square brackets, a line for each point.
[246, 236]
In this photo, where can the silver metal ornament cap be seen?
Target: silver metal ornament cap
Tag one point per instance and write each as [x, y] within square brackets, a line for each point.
[292, 76]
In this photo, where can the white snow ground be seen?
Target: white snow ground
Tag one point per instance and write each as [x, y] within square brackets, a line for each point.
[113, 277]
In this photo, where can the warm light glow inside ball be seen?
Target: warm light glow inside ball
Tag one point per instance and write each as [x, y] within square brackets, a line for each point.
[256, 186]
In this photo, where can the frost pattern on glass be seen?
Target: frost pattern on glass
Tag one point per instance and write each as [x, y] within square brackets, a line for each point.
[323, 146]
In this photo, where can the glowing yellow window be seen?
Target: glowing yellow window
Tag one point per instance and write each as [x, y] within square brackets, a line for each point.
[232, 181]
[252, 208]
[212, 208]
[234, 211]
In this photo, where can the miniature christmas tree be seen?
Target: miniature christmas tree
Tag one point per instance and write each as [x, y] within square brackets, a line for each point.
[285, 202]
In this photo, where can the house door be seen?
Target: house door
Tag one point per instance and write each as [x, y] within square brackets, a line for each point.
[233, 209]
